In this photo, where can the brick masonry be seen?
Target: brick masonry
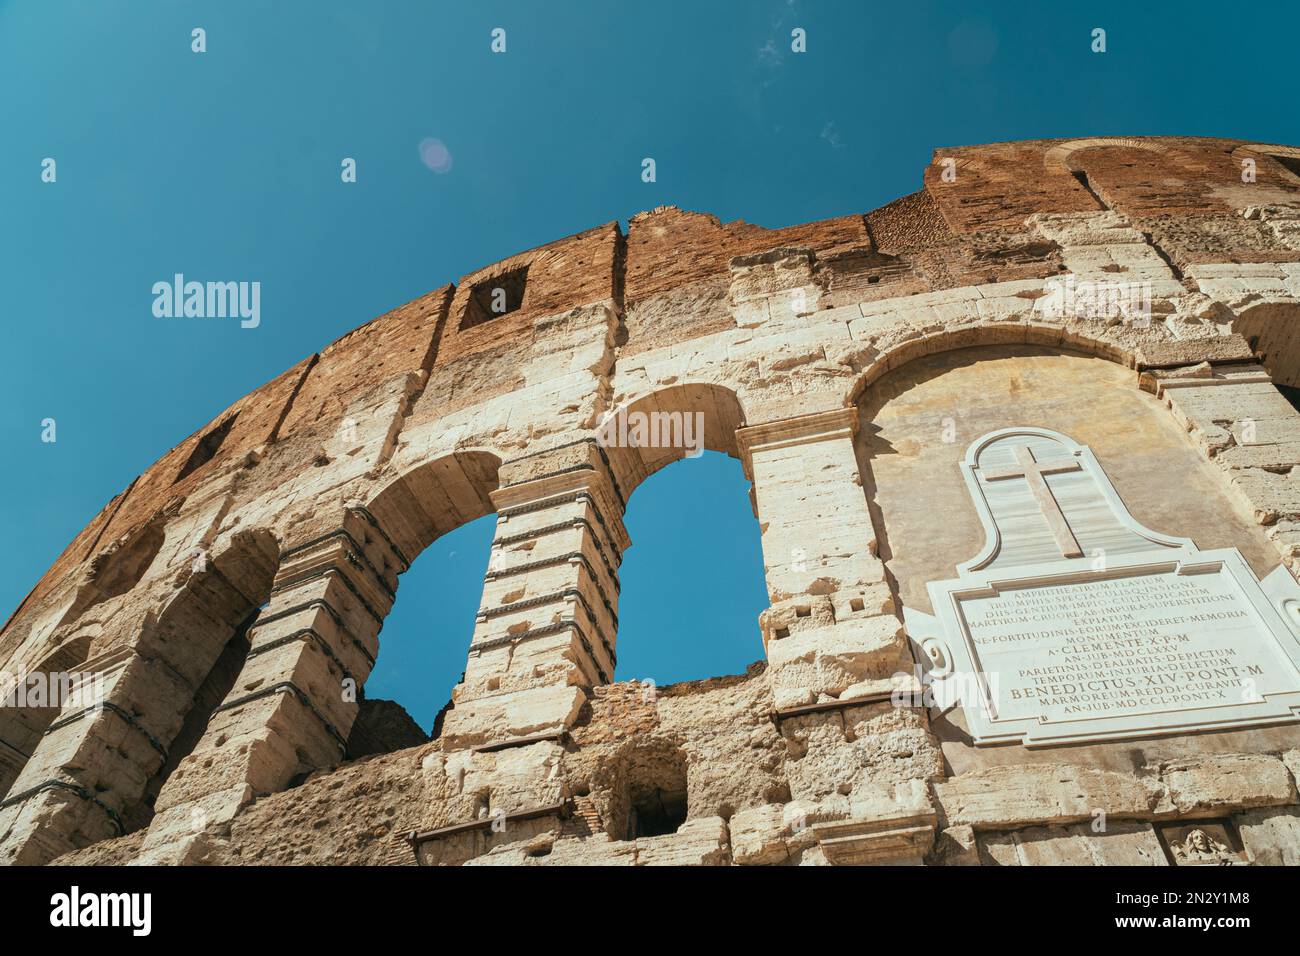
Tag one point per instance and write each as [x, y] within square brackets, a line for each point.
[310, 496]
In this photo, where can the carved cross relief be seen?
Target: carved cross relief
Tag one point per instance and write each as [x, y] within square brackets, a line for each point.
[1035, 471]
[1076, 623]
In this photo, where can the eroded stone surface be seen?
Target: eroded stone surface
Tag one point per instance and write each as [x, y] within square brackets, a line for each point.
[308, 498]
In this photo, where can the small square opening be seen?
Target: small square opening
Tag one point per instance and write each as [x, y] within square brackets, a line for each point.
[492, 298]
[656, 813]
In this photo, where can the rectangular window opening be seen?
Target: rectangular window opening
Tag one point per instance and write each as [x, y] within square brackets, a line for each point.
[492, 298]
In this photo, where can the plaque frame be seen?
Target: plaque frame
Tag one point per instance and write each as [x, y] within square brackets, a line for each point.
[947, 650]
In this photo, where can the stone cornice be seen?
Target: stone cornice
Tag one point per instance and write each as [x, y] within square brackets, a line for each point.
[788, 432]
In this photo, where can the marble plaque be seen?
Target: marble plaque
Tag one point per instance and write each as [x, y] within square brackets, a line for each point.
[1075, 623]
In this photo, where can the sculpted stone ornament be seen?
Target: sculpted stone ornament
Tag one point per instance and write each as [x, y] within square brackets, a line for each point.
[1199, 848]
[1075, 623]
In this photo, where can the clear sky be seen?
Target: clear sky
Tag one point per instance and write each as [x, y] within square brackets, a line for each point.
[225, 165]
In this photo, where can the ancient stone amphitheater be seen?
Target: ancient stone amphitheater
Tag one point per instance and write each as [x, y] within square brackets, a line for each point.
[232, 597]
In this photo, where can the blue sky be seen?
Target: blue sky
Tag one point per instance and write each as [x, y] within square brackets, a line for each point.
[225, 165]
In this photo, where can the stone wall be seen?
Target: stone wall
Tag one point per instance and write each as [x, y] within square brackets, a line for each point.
[307, 499]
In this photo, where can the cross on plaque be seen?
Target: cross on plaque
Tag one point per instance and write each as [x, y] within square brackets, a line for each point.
[1034, 470]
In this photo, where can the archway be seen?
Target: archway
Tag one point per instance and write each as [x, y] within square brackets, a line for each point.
[696, 560]
[644, 434]
[439, 515]
[104, 755]
[425, 641]
[693, 584]
[25, 718]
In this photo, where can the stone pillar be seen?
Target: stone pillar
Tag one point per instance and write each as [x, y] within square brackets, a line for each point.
[835, 645]
[548, 620]
[21, 729]
[86, 775]
[20, 732]
[291, 709]
[832, 631]
[22, 725]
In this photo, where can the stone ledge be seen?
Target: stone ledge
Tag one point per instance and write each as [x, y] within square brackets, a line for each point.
[1014, 797]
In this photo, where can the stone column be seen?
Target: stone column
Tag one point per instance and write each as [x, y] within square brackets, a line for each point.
[835, 644]
[292, 707]
[548, 620]
[89, 769]
[832, 631]
[20, 731]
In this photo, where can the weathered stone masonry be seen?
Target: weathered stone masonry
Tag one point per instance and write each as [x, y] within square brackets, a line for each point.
[310, 497]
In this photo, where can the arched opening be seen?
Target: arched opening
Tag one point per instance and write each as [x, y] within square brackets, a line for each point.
[203, 638]
[28, 711]
[424, 642]
[692, 585]
[111, 573]
[1006, 334]
[440, 517]
[149, 694]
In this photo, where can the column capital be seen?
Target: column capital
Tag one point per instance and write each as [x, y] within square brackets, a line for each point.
[580, 468]
[800, 430]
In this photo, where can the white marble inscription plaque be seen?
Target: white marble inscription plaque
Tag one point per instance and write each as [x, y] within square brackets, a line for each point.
[1145, 635]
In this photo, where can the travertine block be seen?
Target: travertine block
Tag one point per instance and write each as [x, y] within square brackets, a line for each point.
[1226, 782]
[1271, 837]
[522, 713]
[827, 661]
[758, 836]
[1121, 844]
[1006, 797]
[701, 842]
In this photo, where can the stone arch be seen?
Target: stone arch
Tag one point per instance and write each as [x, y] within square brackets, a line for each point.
[1273, 333]
[158, 672]
[1063, 155]
[1072, 158]
[547, 625]
[1049, 336]
[429, 500]
[111, 573]
[203, 637]
[918, 423]
[425, 502]
[709, 415]
[313, 644]
[54, 645]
